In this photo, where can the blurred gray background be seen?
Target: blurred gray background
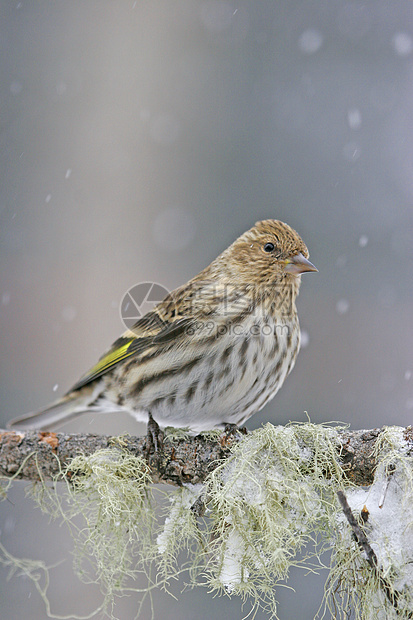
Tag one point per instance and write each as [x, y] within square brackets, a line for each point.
[138, 139]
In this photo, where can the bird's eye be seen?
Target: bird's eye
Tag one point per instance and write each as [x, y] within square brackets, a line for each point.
[269, 247]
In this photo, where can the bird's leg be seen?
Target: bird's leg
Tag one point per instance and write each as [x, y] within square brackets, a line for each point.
[154, 438]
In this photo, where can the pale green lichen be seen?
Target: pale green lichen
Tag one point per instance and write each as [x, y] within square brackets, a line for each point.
[107, 506]
[179, 533]
[270, 500]
[118, 518]
[212, 435]
[172, 433]
[119, 441]
[35, 570]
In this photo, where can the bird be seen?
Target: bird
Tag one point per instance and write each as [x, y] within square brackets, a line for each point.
[212, 353]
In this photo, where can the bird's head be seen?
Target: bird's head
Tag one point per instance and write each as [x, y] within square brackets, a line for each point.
[270, 253]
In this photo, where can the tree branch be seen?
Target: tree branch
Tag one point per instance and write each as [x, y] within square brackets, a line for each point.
[36, 454]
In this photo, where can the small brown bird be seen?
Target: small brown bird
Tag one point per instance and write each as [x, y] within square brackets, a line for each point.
[213, 352]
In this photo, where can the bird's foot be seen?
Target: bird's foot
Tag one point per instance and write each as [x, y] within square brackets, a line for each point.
[230, 434]
[154, 440]
[232, 429]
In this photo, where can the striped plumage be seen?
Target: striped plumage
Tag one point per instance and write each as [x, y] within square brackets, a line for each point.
[214, 351]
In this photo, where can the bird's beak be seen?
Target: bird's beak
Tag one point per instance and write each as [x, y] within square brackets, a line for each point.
[298, 264]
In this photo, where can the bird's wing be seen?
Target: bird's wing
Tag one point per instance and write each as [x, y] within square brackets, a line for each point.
[150, 331]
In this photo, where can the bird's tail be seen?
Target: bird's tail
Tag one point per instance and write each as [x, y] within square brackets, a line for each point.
[70, 406]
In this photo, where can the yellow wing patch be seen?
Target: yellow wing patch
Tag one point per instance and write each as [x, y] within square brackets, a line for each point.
[149, 331]
[112, 357]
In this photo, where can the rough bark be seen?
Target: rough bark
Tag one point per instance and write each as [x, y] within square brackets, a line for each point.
[33, 454]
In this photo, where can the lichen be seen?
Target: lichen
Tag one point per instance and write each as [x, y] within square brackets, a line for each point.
[172, 433]
[107, 505]
[270, 501]
[179, 533]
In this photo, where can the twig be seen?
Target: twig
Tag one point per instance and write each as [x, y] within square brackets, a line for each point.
[393, 596]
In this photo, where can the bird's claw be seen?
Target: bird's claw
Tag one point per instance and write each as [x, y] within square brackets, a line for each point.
[232, 429]
[230, 434]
